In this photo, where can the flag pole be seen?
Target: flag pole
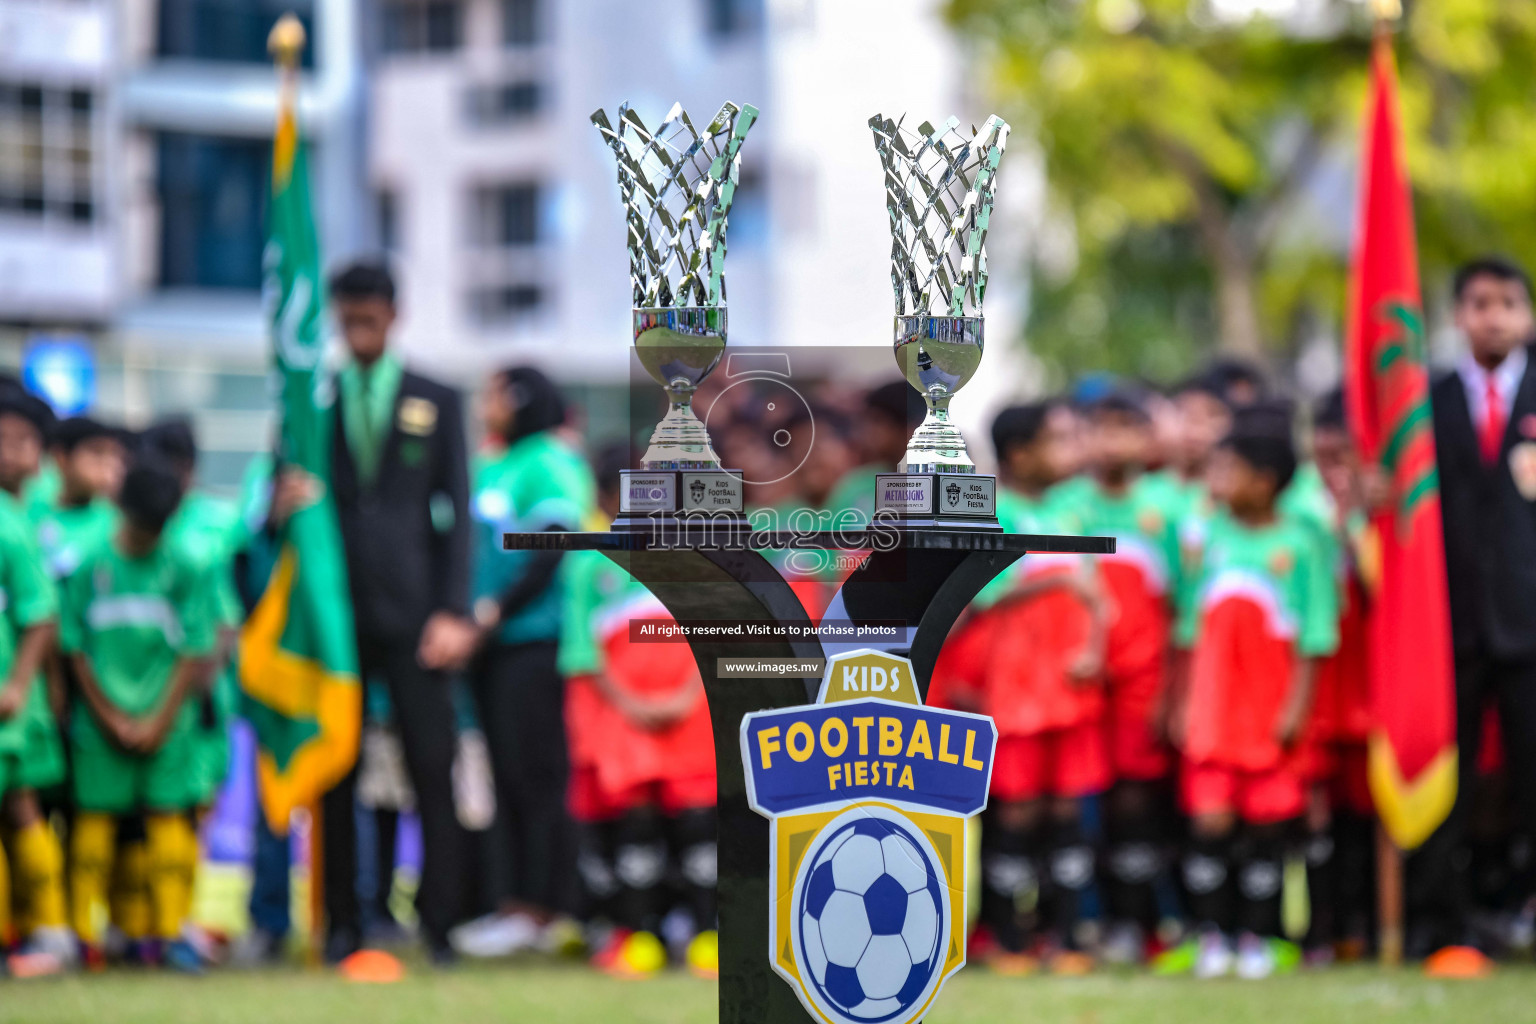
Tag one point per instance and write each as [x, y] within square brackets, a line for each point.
[1389, 858]
[285, 44]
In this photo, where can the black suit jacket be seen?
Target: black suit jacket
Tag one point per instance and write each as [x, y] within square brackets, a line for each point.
[1490, 529]
[402, 567]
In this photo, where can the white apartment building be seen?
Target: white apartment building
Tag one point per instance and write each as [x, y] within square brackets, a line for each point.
[454, 135]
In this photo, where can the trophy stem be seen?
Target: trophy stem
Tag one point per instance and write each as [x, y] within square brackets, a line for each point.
[680, 440]
[937, 445]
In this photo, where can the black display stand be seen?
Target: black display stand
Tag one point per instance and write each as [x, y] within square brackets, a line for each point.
[703, 574]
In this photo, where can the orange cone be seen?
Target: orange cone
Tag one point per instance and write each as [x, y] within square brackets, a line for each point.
[371, 967]
[1457, 962]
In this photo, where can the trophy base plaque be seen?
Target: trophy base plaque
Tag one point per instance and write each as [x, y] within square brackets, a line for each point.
[963, 501]
[649, 495]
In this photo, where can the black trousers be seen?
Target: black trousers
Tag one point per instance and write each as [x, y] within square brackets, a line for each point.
[520, 698]
[423, 709]
[1438, 882]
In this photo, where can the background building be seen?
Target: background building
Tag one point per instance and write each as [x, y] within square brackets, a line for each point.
[454, 135]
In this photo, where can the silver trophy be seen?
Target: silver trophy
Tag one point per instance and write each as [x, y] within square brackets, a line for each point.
[939, 186]
[677, 184]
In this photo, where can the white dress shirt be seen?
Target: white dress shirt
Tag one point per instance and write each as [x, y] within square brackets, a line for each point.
[1506, 378]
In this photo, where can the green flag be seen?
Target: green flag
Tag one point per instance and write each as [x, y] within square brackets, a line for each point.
[298, 660]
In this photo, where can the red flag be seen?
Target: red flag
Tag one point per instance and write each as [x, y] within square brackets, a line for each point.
[1413, 742]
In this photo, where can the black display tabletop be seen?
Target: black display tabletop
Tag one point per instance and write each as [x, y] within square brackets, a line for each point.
[674, 537]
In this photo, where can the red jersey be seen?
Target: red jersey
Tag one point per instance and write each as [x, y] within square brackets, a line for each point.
[1035, 641]
[1263, 598]
[623, 754]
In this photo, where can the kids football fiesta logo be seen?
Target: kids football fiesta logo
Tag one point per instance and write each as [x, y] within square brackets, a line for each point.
[868, 792]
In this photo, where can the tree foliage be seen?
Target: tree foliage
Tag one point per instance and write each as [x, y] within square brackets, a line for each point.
[1201, 160]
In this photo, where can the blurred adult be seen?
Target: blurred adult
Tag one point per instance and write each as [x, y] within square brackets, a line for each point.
[1485, 436]
[401, 488]
[530, 480]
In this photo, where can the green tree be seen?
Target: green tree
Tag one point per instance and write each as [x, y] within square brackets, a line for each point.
[1191, 152]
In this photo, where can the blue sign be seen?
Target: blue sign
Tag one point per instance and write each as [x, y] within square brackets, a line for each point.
[870, 749]
[62, 371]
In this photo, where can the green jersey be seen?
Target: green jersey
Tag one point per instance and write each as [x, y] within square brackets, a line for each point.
[211, 531]
[27, 598]
[134, 618]
[1145, 521]
[1022, 514]
[854, 492]
[538, 483]
[599, 596]
[1282, 567]
[65, 532]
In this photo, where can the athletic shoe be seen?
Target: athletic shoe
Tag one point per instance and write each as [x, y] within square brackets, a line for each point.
[1214, 959]
[703, 955]
[1123, 945]
[211, 946]
[1319, 957]
[1255, 957]
[46, 952]
[1177, 960]
[92, 958]
[981, 944]
[495, 935]
[116, 946]
[1069, 963]
[608, 951]
[181, 957]
[1013, 965]
[562, 937]
[642, 955]
[1287, 954]
[257, 948]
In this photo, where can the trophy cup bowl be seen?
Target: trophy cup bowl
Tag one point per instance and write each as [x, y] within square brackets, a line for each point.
[679, 346]
[938, 355]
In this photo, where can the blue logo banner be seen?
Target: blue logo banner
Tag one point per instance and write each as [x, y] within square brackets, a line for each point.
[869, 749]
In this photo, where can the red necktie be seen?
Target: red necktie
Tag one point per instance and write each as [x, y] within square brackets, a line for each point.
[1494, 420]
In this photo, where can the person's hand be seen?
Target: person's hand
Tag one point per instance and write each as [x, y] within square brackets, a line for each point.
[1376, 491]
[651, 715]
[448, 641]
[1086, 668]
[12, 699]
[1288, 725]
[1167, 723]
[293, 491]
[134, 734]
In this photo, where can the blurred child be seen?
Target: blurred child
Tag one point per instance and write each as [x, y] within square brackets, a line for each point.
[210, 531]
[91, 459]
[1340, 813]
[1239, 382]
[37, 861]
[1204, 418]
[1260, 612]
[139, 629]
[25, 421]
[27, 623]
[1030, 656]
[1141, 579]
[642, 762]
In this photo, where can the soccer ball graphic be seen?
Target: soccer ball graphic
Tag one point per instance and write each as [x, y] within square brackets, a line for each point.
[872, 918]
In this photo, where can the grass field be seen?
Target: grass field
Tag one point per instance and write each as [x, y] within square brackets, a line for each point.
[550, 994]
